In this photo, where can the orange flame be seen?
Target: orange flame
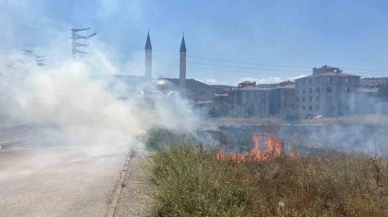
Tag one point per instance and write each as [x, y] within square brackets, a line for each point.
[273, 148]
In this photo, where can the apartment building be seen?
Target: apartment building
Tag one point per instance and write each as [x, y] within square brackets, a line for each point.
[282, 98]
[328, 91]
[254, 100]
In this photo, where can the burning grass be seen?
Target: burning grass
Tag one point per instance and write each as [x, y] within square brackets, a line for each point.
[273, 148]
[192, 182]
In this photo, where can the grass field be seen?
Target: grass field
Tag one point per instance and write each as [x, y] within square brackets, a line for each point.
[351, 119]
[190, 182]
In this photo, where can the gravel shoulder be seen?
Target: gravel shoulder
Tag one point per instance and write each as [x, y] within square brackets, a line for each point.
[136, 197]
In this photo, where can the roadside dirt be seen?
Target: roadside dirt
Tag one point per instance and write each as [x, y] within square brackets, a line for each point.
[136, 197]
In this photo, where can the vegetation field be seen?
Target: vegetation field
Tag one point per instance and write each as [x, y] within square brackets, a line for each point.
[192, 181]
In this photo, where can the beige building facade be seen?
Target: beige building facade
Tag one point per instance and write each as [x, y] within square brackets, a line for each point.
[328, 91]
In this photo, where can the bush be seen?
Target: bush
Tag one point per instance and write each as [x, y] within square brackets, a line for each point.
[158, 137]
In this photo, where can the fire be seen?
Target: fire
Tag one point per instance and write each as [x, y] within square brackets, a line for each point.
[273, 148]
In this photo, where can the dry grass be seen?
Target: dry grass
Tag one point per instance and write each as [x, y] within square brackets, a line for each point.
[250, 121]
[352, 119]
[192, 183]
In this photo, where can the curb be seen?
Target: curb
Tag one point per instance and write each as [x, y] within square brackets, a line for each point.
[123, 174]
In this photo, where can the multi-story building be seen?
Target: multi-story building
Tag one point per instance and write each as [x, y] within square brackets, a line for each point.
[254, 100]
[367, 100]
[328, 91]
[282, 98]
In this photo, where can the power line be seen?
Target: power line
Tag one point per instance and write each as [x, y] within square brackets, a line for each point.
[249, 63]
[231, 67]
[49, 15]
[37, 29]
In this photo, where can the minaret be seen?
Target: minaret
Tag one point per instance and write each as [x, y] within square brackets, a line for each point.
[182, 68]
[148, 58]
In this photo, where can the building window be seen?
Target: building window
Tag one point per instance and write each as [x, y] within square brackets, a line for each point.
[310, 81]
[303, 81]
[346, 80]
[347, 108]
[303, 107]
[310, 90]
[329, 98]
[348, 89]
[297, 106]
[329, 79]
[317, 107]
[310, 107]
[310, 98]
[297, 99]
[297, 90]
[317, 89]
[303, 90]
[302, 99]
[329, 89]
[317, 98]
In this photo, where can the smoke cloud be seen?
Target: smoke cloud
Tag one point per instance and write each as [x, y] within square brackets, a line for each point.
[75, 97]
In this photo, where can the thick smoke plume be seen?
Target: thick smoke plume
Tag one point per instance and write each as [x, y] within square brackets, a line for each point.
[69, 95]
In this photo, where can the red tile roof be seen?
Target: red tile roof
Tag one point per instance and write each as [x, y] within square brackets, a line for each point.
[288, 86]
[341, 74]
[248, 88]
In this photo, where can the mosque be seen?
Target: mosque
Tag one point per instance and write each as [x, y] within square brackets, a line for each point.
[162, 88]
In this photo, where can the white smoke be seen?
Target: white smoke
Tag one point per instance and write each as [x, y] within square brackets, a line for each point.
[66, 95]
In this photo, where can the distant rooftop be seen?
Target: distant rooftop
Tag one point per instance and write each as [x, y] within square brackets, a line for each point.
[340, 74]
[325, 69]
[247, 88]
[288, 86]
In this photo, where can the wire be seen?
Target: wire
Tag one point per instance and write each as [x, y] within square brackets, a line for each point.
[72, 23]
[33, 28]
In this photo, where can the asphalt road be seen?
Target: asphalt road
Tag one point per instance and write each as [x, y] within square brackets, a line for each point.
[59, 181]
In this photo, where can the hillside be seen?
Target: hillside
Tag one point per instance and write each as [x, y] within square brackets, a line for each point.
[374, 82]
[199, 90]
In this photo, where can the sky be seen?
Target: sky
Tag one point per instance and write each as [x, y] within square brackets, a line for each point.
[227, 41]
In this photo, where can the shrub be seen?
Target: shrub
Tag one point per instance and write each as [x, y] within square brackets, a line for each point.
[159, 136]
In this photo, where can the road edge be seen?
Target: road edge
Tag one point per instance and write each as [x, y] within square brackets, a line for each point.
[120, 185]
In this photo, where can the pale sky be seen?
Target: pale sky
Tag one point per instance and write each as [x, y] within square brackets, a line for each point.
[227, 41]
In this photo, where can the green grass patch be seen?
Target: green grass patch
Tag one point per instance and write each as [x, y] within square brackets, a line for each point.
[190, 182]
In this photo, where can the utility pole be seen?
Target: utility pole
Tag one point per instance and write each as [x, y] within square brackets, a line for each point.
[39, 59]
[75, 37]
